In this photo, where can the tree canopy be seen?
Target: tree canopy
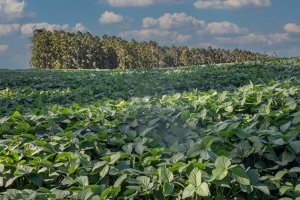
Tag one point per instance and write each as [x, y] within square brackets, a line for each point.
[65, 50]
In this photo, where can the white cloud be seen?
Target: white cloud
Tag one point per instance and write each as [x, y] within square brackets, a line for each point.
[149, 22]
[172, 28]
[181, 38]
[130, 3]
[3, 47]
[110, 18]
[6, 29]
[251, 38]
[163, 36]
[224, 28]
[11, 9]
[169, 21]
[27, 29]
[292, 28]
[147, 34]
[79, 27]
[229, 4]
[185, 23]
[141, 3]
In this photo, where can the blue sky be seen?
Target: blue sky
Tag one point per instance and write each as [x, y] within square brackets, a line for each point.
[259, 25]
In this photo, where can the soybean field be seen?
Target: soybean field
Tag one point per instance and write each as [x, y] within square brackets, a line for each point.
[228, 131]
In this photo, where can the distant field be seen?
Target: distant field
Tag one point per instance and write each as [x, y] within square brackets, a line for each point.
[224, 132]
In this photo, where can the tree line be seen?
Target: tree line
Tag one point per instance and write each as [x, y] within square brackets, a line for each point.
[65, 50]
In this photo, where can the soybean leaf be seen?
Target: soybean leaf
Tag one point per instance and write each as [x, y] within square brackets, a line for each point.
[203, 190]
[286, 126]
[168, 188]
[83, 181]
[240, 175]
[222, 162]
[195, 177]
[165, 174]
[119, 181]
[295, 146]
[188, 191]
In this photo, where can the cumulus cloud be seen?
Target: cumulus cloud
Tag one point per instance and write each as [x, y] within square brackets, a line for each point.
[3, 47]
[181, 38]
[147, 34]
[28, 29]
[224, 28]
[79, 27]
[184, 22]
[130, 3]
[169, 28]
[110, 18]
[229, 4]
[6, 29]
[141, 3]
[182, 28]
[251, 38]
[11, 9]
[149, 22]
[175, 20]
[164, 36]
[292, 28]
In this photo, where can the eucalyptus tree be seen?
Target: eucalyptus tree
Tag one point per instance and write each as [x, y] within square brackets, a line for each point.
[41, 48]
[63, 50]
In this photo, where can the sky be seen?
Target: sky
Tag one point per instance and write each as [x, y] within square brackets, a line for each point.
[266, 26]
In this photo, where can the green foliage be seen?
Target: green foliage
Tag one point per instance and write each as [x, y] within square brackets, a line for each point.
[189, 133]
[63, 50]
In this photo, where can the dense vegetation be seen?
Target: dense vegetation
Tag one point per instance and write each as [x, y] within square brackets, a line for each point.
[215, 132]
[64, 50]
